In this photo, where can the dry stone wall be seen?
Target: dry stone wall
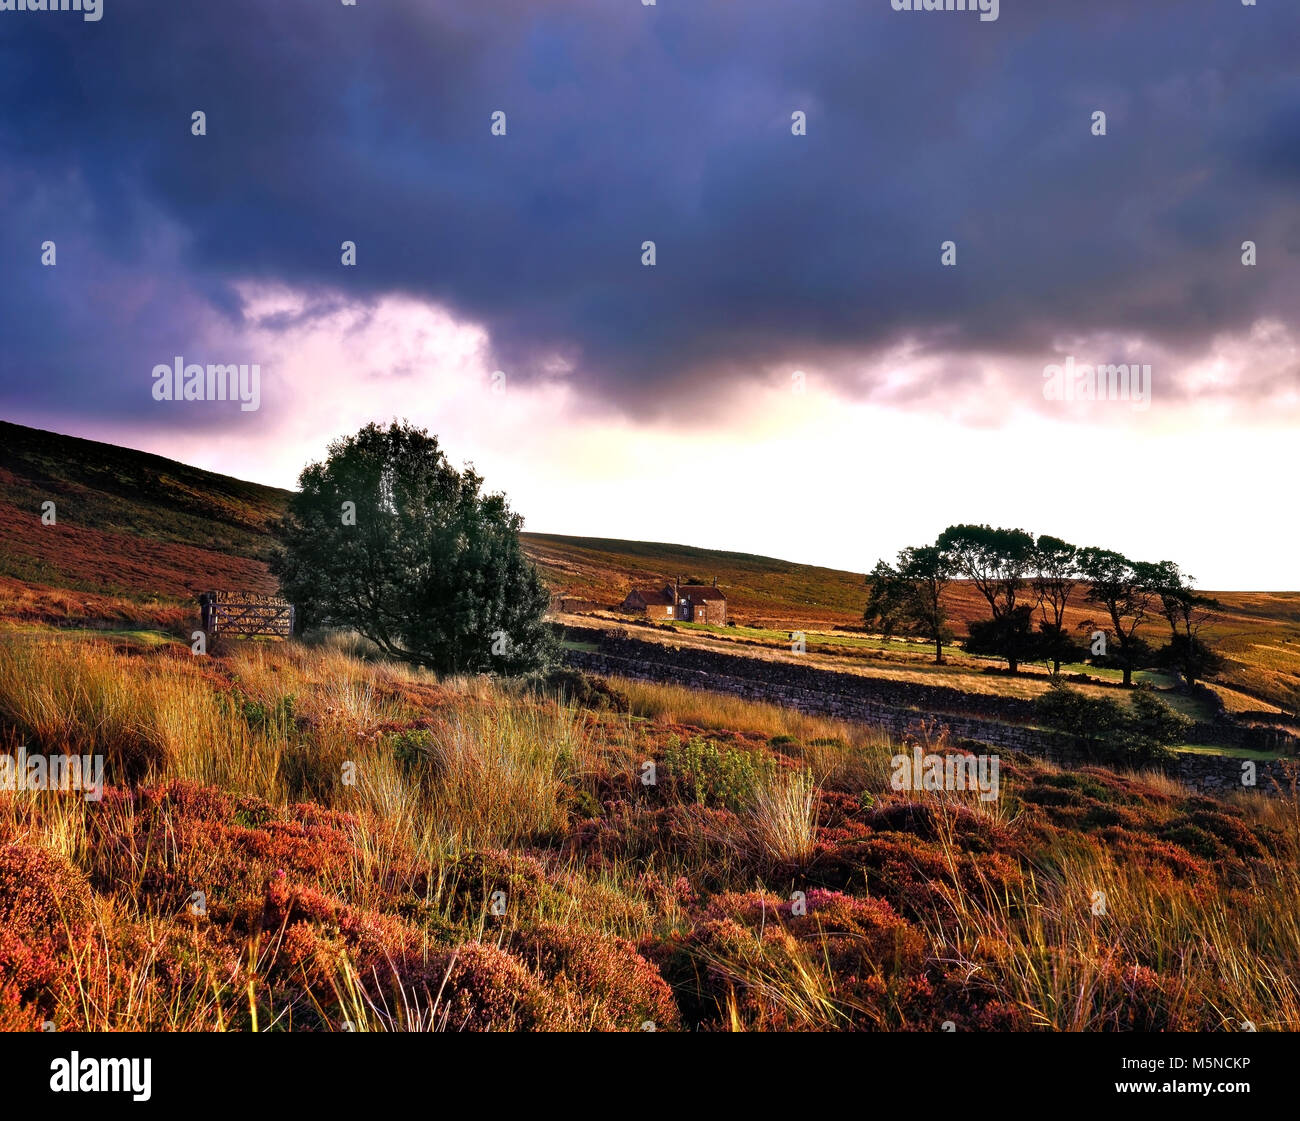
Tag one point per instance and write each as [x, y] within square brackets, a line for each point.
[898, 707]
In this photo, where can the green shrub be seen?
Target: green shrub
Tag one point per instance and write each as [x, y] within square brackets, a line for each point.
[410, 746]
[263, 717]
[1153, 720]
[1107, 731]
[701, 771]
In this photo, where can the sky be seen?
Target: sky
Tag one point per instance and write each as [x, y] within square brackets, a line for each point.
[883, 242]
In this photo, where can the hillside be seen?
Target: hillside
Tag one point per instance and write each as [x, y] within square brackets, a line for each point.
[145, 528]
[139, 525]
[374, 903]
[128, 523]
[758, 588]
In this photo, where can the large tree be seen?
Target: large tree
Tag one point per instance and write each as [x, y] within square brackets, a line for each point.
[908, 598]
[386, 537]
[1056, 575]
[998, 562]
[1127, 590]
[1186, 611]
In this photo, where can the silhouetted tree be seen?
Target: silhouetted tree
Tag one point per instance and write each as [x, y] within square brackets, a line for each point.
[908, 599]
[1011, 636]
[1057, 645]
[1190, 657]
[1186, 611]
[1127, 590]
[1056, 575]
[997, 562]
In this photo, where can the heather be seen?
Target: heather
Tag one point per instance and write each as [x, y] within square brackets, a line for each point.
[295, 838]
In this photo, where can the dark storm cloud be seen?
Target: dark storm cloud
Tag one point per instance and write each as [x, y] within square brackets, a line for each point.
[628, 123]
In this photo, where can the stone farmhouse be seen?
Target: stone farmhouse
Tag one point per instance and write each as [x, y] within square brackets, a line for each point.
[688, 603]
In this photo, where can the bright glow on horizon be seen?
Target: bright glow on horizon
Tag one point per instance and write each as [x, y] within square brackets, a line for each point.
[814, 477]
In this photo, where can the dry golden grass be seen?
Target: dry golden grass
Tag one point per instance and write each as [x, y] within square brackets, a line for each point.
[676, 704]
[498, 769]
[304, 722]
[785, 814]
[444, 769]
[1057, 957]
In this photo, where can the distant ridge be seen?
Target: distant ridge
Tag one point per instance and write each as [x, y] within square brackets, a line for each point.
[133, 523]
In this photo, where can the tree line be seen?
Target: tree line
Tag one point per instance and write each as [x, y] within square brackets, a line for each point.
[386, 537]
[1028, 584]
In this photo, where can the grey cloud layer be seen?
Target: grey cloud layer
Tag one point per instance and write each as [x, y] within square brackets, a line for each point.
[628, 123]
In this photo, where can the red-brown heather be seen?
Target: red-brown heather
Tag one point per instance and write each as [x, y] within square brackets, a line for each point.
[298, 836]
[499, 864]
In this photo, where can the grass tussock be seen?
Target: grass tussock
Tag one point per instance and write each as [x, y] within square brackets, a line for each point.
[296, 838]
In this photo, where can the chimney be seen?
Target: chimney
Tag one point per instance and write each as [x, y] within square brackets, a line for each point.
[715, 581]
